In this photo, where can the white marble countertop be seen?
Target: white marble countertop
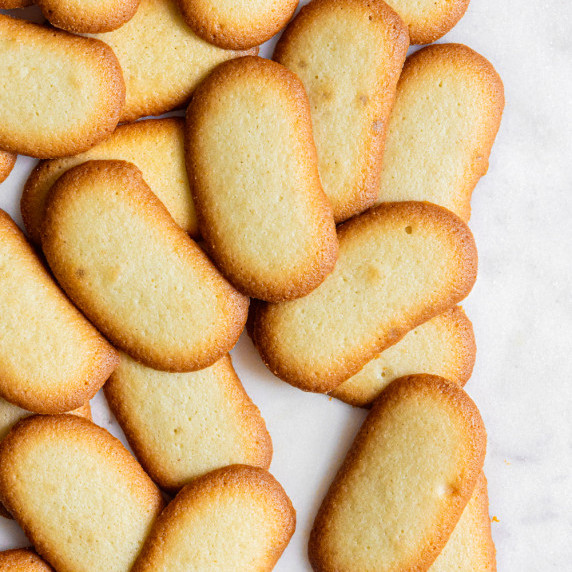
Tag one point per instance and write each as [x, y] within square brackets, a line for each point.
[521, 308]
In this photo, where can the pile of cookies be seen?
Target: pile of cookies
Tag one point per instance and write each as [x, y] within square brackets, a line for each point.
[320, 200]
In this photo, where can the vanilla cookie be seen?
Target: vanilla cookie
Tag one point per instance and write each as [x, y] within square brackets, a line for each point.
[135, 273]
[162, 59]
[22, 560]
[155, 146]
[7, 162]
[445, 119]
[61, 94]
[400, 265]
[252, 163]
[183, 425]
[88, 16]
[53, 360]
[235, 518]
[443, 346]
[429, 20]
[349, 55]
[81, 498]
[236, 25]
[404, 482]
[470, 548]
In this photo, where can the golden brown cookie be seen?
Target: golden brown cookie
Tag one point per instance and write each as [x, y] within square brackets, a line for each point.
[162, 59]
[400, 265]
[235, 518]
[22, 560]
[236, 25]
[10, 4]
[61, 94]
[81, 498]
[252, 163]
[445, 119]
[348, 54]
[443, 346]
[7, 162]
[155, 146]
[53, 360]
[183, 425]
[404, 482]
[135, 273]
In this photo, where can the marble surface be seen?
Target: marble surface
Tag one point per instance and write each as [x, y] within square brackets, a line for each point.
[521, 308]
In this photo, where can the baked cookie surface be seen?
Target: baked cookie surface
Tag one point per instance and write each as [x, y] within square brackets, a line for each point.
[22, 560]
[7, 162]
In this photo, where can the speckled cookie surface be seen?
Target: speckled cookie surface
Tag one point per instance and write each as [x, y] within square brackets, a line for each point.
[155, 146]
[404, 483]
[445, 119]
[88, 16]
[135, 273]
[237, 25]
[70, 102]
[348, 54]
[400, 264]
[444, 346]
[235, 518]
[252, 164]
[184, 425]
[93, 516]
[22, 560]
[10, 4]
[7, 162]
[53, 360]
[162, 59]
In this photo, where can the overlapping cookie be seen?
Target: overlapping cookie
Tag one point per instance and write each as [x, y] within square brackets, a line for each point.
[155, 146]
[135, 273]
[400, 265]
[11, 4]
[404, 483]
[61, 94]
[445, 119]
[22, 560]
[349, 55]
[251, 158]
[7, 162]
[184, 425]
[235, 518]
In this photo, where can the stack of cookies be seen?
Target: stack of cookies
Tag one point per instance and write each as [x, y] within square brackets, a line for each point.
[318, 200]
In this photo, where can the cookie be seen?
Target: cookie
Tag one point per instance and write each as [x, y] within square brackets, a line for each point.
[155, 145]
[470, 546]
[237, 25]
[235, 518]
[445, 119]
[10, 4]
[400, 265]
[81, 17]
[81, 498]
[183, 425]
[135, 273]
[61, 94]
[349, 55]
[22, 560]
[443, 346]
[429, 20]
[404, 482]
[252, 163]
[7, 162]
[162, 59]
[53, 360]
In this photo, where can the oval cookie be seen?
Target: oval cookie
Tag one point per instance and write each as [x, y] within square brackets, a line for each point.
[7, 162]
[443, 346]
[61, 94]
[80, 497]
[22, 560]
[53, 360]
[155, 146]
[135, 273]
[349, 55]
[405, 481]
[250, 155]
[162, 59]
[235, 518]
[400, 265]
[237, 25]
[445, 119]
[183, 425]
